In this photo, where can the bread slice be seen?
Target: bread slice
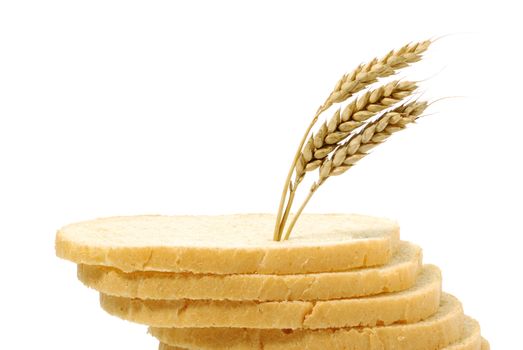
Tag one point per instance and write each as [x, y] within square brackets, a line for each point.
[471, 339]
[229, 244]
[436, 332]
[484, 345]
[412, 305]
[399, 274]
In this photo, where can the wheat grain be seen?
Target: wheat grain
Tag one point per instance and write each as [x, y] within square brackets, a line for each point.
[342, 123]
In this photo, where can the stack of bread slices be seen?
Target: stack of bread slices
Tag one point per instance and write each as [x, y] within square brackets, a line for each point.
[221, 282]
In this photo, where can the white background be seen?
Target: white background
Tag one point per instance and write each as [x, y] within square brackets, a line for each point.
[128, 107]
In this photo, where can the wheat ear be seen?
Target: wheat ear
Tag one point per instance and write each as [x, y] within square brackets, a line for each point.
[366, 74]
[343, 122]
[358, 146]
[349, 84]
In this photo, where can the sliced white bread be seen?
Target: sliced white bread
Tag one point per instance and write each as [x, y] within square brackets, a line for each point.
[412, 305]
[229, 244]
[471, 339]
[398, 275]
[436, 332]
[483, 346]
[462, 345]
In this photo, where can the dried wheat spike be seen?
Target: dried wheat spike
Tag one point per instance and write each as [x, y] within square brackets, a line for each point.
[369, 73]
[371, 135]
[342, 123]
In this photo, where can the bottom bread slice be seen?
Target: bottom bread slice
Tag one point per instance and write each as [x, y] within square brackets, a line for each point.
[436, 332]
[483, 345]
[471, 339]
[409, 306]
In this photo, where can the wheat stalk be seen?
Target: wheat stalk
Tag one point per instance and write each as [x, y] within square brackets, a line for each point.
[342, 123]
[357, 80]
[359, 144]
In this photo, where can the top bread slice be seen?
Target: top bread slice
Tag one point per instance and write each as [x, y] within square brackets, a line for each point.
[229, 244]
